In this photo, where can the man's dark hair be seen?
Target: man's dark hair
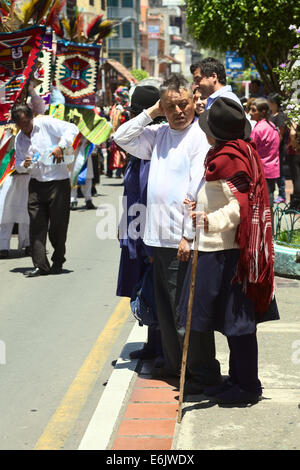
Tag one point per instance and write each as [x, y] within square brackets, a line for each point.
[20, 109]
[275, 98]
[210, 65]
[194, 67]
[174, 82]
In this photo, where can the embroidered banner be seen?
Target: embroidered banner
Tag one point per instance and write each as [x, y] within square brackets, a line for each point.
[19, 52]
[43, 74]
[7, 153]
[94, 128]
[76, 70]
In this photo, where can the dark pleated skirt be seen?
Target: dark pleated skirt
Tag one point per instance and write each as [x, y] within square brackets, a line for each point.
[130, 271]
[220, 305]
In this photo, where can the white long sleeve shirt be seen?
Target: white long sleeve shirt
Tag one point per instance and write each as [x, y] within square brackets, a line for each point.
[47, 133]
[176, 171]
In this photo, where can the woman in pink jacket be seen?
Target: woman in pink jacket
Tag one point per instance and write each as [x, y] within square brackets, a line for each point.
[266, 136]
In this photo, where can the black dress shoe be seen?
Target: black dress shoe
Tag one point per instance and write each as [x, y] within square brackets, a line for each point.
[73, 205]
[193, 387]
[35, 272]
[235, 395]
[217, 389]
[56, 269]
[4, 254]
[145, 353]
[90, 205]
[163, 372]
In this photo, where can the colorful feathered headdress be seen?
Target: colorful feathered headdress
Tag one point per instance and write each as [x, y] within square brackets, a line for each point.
[74, 28]
[16, 14]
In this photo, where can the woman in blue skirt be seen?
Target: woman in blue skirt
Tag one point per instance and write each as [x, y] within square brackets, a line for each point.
[135, 255]
[234, 287]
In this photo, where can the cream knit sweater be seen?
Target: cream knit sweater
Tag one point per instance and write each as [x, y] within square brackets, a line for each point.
[223, 212]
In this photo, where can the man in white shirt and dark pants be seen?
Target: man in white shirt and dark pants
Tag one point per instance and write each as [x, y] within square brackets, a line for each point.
[177, 151]
[49, 186]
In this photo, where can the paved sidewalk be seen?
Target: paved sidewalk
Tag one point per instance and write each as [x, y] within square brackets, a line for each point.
[149, 418]
[137, 412]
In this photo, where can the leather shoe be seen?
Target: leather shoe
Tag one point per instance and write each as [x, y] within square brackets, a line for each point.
[73, 205]
[217, 389]
[193, 387]
[144, 353]
[36, 272]
[56, 269]
[90, 205]
[4, 254]
[162, 372]
[235, 395]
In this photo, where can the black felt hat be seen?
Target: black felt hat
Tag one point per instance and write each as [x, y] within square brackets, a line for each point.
[143, 97]
[225, 120]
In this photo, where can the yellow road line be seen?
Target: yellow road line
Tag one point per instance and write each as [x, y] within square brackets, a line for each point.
[62, 422]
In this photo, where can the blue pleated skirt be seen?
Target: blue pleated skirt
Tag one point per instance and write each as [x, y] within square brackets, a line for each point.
[220, 305]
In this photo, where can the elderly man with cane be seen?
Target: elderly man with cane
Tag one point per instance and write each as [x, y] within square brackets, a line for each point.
[177, 151]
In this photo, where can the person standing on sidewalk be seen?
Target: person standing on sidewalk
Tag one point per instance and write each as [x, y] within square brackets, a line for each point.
[210, 77]
[266, 137]
[234, 286]
[279, 120]
[136, 257]
[49, 186]
[177, 152]
[293, 154]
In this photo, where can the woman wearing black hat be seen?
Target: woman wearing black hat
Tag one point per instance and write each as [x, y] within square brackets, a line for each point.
[234, 287]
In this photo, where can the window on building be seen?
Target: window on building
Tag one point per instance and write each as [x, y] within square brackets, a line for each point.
[92, 2]
[112, 3]
[127, 60]
[127, 29]
[127, 3]
[116, 31]
[103, 6]
[114, 55]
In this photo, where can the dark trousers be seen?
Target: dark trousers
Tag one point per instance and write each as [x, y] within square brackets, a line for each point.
[294, 164]
[243, 362]
[271, 188]
[169, 274]
[49, 211]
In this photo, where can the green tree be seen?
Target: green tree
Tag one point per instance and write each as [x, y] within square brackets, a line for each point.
[139, 74]
[258, 29]
[289, 79]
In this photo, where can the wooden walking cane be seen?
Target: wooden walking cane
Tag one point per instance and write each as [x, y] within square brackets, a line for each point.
[187, 328]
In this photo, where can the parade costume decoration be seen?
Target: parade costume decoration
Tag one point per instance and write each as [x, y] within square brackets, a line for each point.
[77, 58]
[19, 53]
[22, 37]
[7, 153]
[25, 69]
[43, 75]
[76, 73]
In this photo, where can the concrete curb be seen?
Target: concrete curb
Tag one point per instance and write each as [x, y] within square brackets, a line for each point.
[285, 264]
[104, 421]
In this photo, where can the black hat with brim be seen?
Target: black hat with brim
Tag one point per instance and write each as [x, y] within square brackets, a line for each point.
[225, 120]
[143, 97]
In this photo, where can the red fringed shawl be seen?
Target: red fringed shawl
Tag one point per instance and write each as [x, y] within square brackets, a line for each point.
[239, 164]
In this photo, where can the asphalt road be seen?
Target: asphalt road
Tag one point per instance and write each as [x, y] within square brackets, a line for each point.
[59, 335]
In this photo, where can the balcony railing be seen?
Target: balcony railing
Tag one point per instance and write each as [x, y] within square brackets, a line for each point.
[121, 43]
[120, 13]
